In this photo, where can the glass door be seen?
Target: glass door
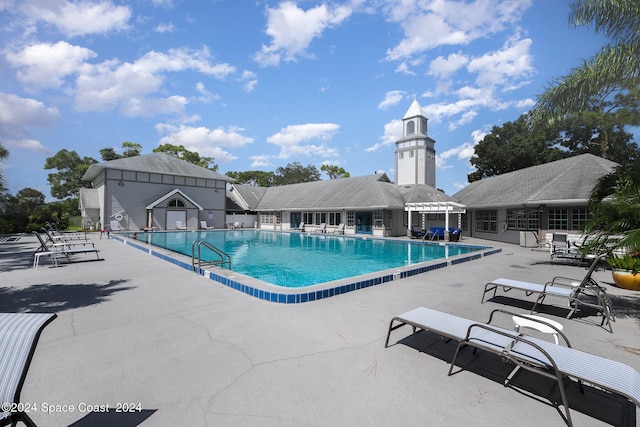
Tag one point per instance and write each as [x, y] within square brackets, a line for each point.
[363, 222]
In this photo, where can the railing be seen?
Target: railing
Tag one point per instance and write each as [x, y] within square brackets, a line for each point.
[196, 246]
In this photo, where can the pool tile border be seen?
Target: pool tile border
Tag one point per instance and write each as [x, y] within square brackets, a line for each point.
[293, 295]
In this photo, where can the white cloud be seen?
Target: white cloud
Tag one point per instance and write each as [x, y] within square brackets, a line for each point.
[165, 28]
[391, 99]
[443, 68]
[46, 65]
[111, 84]
[18, 115]
[293, 29]
[291, 139]
[260, 161]
[506, 66]
[461, 152]
[80, 17]
[249, 80]
[436, 23]
[207, 142]
[392, 133]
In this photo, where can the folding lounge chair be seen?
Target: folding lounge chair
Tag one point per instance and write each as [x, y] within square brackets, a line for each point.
[59, 251]
[322, 228]
[339, 230]
[179, 226]
[298, 228]
[61, 241]
[565, 288]
[115, 226]
[19, 334]
[204, 226]
[543, 357]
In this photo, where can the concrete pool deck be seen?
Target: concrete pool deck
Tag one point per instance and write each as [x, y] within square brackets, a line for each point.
[189, 351]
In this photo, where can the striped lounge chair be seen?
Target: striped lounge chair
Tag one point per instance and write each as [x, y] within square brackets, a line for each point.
[19, 334]
[551, 360]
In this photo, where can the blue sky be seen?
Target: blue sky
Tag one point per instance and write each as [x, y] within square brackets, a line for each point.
[260, 84]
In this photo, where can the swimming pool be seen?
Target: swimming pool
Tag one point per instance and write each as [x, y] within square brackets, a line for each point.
[295, 260]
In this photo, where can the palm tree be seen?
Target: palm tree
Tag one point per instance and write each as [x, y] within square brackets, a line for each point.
[615, 69]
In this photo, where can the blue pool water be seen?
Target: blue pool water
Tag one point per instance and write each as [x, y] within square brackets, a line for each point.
[298, 259]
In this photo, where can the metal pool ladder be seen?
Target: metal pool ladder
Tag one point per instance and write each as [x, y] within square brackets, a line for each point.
[196, 246]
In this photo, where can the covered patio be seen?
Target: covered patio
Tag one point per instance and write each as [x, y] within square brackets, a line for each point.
[441, 207]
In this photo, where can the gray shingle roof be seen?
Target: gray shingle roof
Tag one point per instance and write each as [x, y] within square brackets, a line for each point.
[371, 191]
[570, 179]
[155, 163]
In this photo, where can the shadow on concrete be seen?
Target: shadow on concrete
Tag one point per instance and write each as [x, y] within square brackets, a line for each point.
[53, 298]
[595, 403]
[16, 254]
[113, 418]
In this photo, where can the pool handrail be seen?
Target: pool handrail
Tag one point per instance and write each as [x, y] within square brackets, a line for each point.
[225, 259]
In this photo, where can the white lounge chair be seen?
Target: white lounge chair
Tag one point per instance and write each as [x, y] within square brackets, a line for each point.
[179, 226]
[19, 334]
[339, 230]
[298, 228]
[55, 252]
[204, 226]
[322, 228]
[565, 288]
[543, 357]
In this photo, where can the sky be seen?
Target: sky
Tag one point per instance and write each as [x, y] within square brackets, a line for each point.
[260, 84]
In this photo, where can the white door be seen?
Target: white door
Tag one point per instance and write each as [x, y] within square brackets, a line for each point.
[173, 216]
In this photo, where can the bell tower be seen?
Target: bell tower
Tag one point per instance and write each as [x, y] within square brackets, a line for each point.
[415, 153]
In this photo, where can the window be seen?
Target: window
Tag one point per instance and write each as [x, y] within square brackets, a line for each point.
[351, 218]
[558, 219]
[411, 128]
[321, 218]
[271, 218]
[335, 218]
[377, 219]
[411, 153]
[176, 203]
[401, 155]
[523, 219]
[487, 221]
[307, 217]
[388, 219]
[579, 218]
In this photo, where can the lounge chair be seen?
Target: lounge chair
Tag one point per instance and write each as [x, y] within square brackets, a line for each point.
[64, 235]
[416, 234]
[204, 226]
[321, 229]
[565, 288]
[298, 228]
[543, 357]
[19, 334]
[339, 230]
[62, 241]
[55, 252]
[115, 226]
[179, 226]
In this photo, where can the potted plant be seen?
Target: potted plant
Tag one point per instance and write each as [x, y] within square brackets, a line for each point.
[626, 271]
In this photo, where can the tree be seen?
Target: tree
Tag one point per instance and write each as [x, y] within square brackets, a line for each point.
[190, 156]
[4, 153]
[129, 149]
[254, 178]
[514, 145]
[335, 171]
[612, 73]
[68, 180]
[295, 173]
